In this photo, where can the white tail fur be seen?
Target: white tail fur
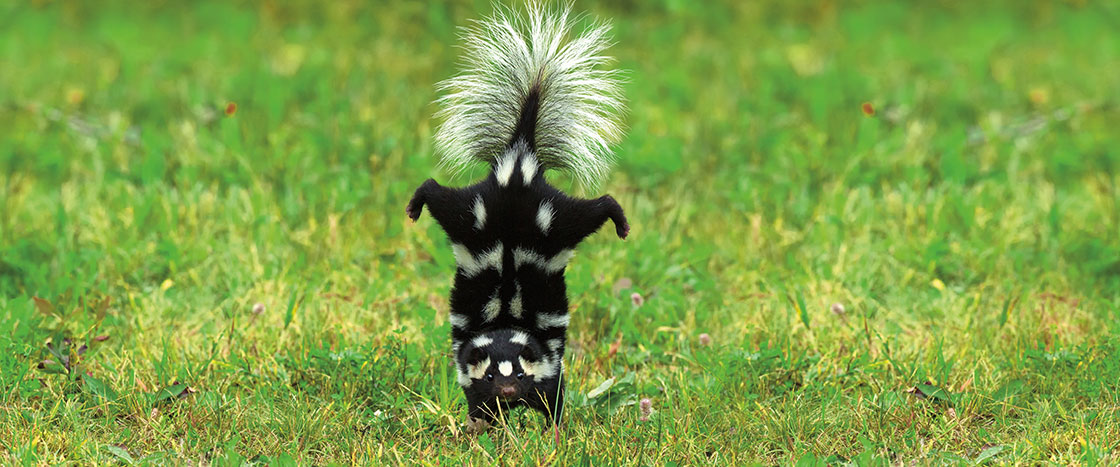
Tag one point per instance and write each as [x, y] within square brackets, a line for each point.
[506, 57]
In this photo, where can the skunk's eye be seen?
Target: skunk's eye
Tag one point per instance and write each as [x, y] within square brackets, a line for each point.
[489, 376]
[521, 375]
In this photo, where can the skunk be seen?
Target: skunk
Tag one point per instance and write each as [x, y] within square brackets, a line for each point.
[532, 98]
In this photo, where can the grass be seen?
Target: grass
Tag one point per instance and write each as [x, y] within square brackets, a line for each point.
[969, 229]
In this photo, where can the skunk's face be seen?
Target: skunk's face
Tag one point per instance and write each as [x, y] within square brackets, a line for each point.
[503, 364]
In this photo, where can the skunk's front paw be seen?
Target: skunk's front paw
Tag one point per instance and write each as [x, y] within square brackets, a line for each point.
[476, 425]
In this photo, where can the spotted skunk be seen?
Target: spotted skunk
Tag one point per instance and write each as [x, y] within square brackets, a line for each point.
[533, 97]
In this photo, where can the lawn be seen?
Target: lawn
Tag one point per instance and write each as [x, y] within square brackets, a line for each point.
[897, 224]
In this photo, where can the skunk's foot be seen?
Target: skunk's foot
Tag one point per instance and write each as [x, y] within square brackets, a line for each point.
[413, 209]
[476, 425]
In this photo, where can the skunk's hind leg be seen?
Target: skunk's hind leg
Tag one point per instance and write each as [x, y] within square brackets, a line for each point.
[614, 212]
[578, 218]
[428, 192]
[451, 207]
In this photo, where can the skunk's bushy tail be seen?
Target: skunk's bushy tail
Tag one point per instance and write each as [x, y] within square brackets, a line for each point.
[530, 79]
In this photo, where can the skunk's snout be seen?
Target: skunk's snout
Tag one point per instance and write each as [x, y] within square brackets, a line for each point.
[507, 391]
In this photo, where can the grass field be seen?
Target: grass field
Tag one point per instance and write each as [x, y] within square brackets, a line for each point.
[931, 277]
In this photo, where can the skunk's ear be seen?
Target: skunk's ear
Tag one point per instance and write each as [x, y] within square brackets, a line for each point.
[476, 355]
[528, 354]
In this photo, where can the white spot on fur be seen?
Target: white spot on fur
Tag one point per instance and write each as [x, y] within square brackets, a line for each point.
[458, 321]
[528, 168]
[481, 341]
[493, 258]
[491, 309]
[541, 369]
[472, 264]
[479, 213]
[552, 265]
[461, 377]
[505, 368]
[463, 257]
[544, 217]
[523, 256]
[519, 338]
[560, 261]
[516, 308]
[555, 344]
[552, 320]
[504, 168]
[478, 370]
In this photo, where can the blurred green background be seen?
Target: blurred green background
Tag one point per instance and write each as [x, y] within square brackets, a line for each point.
[898, 223]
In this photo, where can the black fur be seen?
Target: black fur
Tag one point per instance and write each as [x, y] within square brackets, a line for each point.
[511, 231]
[495, 394]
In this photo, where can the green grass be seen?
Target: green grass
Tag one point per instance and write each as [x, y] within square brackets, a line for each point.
[970, 229]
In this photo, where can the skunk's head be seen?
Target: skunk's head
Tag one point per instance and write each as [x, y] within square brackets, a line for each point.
[504, 364]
